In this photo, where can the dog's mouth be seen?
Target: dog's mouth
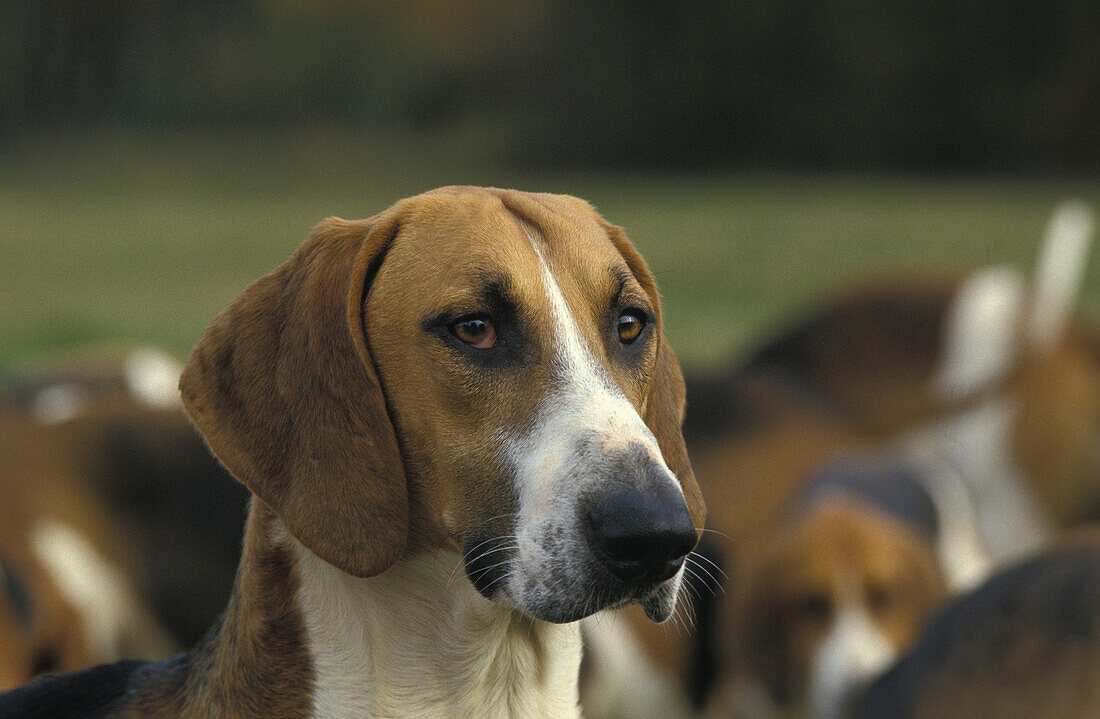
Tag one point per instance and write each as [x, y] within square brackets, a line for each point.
[487, 562]
[561, 592]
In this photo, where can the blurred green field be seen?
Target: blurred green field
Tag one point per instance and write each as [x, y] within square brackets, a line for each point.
[116, 237]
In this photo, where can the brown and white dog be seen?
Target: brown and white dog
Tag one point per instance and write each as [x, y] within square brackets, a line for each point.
[473, 381]
[984, 388]
[40, 631]
[70, 596]
[102, 465]
[1024, 644]
[65, 384]
[829, 596]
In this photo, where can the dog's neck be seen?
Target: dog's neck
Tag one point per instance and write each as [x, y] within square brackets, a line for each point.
[416, 641]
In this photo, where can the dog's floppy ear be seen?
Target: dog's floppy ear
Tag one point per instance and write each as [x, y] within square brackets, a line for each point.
[664, 409]
[283, 387]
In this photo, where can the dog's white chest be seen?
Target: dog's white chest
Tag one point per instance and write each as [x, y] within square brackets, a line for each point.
[419, 641]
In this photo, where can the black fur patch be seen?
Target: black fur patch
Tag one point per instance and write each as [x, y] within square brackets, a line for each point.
[89, 694]
[883, 481]
[17, 594]
[1048, 607]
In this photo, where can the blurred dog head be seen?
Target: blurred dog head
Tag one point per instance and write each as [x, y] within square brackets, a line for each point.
[824, 603]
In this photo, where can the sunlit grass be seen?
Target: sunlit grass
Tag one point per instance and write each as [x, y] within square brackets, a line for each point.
[145, 238]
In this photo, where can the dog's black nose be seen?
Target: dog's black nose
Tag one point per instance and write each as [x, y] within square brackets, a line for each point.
[641, 537]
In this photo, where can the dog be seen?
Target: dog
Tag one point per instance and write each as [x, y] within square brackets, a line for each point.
[985, 389]
[71, 597]
[64, 385]
[1026, 643]
[107, 423]
[829, 596]
[475, 381]
[40, 630]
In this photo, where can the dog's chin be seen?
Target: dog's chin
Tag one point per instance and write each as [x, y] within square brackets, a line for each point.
[658, 602]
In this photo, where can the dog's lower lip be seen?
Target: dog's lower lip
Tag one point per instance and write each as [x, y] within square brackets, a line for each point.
[487, 564]
[652, 606]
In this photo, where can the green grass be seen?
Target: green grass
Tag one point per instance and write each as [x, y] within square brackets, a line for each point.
[108, 237]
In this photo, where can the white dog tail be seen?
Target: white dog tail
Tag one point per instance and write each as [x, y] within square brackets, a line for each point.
[993, 320]
[981, 333]
[1059, 273]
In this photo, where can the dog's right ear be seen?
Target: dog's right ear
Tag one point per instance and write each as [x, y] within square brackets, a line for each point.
[283, 387]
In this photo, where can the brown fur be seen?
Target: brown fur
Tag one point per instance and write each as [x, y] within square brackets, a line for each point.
[255, 662]
[361, 289]
[1057, 433]
[751, 473]
[53, 640]
[855, 375]
[789, 584]
[140, 486]
[883, 389]
[38, 482]
[317, 392]
[666, 404]
[870, 350]
[285, 391]
[774, 436]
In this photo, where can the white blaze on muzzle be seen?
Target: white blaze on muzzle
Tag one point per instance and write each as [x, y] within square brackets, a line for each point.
[584, 425]
[853, 653]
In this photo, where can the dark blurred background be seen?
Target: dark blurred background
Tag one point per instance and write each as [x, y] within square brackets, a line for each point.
[994, 85]
[158, 155]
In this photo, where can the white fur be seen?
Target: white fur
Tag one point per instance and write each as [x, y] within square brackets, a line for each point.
[583, 419]
[153, 378]
[58, 403]
[986, 507]
[419, 642]
[975, 447]
[114, 621]
[87, 580]
[623, 682]
[981, 333]
[1059, 273]
[587, 393]
[960, 548]
[852, 653]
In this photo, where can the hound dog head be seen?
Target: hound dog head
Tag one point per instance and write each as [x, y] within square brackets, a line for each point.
[827, 601]
[475, 369]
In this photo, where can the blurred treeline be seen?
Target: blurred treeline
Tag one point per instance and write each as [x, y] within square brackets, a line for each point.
[997, 85]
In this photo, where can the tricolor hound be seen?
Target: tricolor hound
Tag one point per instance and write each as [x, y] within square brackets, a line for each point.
[473, 382]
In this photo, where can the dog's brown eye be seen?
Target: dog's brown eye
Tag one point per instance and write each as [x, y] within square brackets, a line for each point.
[630, 326]
[477, 332]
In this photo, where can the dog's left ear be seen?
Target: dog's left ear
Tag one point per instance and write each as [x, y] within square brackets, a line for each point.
[664, 409]
[283, 387]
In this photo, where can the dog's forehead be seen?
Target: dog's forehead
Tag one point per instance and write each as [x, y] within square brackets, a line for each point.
[457, 239]
[858, 542]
